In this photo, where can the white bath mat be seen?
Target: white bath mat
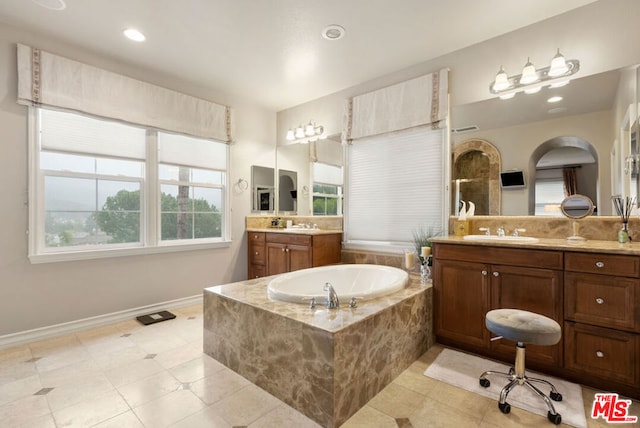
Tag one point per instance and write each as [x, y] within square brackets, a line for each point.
[464, 370]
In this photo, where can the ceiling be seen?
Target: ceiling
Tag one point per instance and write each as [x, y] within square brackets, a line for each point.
[271, 52]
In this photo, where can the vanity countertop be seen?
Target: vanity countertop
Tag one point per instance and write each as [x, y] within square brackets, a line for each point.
[594, 246]
[297, 231]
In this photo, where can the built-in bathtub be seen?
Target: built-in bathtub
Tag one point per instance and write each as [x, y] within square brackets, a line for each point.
[360, 281]
[326, 363]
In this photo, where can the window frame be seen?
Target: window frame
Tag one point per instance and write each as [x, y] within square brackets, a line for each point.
[150, 242]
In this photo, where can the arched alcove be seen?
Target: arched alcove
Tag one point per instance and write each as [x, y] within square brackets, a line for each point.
[475, 172]
[563, 144]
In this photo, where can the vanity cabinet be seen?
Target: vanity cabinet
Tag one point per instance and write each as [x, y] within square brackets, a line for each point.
[271, 253]
[595, 297]
[602, 317]
[468, 283]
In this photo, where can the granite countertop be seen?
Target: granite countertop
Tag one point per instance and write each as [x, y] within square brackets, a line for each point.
[589, 246]
[297, 231]
[254, 292]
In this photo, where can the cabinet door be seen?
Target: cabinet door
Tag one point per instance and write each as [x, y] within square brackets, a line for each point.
[277, 258]
[299, 257]
[534, 290]
[461, 294]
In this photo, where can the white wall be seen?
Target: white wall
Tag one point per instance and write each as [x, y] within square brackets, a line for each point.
[33, 296]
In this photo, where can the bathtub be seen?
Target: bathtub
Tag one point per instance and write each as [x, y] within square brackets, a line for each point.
[361, 281]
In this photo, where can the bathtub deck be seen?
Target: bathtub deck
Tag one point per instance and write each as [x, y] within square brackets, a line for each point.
[325, 363]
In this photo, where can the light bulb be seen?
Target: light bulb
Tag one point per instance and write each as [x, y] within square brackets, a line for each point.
[299, 132]
[533, 90]
[502, 81]
[309, 130]
[558, 65]
[529, 74]
[290, 135]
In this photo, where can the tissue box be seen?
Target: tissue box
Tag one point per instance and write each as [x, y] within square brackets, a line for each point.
[461, 227]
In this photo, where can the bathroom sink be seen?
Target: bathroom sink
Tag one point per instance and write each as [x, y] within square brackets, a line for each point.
[496, 238]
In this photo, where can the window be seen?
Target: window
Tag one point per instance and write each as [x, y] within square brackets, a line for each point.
[395, 185]
[327, 189]
[97, 186]
[549, 196]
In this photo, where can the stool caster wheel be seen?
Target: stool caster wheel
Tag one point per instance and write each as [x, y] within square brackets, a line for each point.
[506, 408]
[555, 396]
[485, 383]
[556, 419]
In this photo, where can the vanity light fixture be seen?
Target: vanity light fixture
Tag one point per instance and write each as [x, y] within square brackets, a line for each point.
[308, 133]
[555, 99]
[532, 80]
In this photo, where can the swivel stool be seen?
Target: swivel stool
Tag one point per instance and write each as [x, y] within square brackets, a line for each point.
[523, 327]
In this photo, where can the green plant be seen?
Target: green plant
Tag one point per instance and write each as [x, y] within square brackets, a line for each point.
[422, 237]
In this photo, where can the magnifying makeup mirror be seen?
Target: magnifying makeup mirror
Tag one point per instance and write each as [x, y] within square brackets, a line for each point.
[576, 207]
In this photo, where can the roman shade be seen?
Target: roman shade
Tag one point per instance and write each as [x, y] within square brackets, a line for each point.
[416, 102]
[49, 80]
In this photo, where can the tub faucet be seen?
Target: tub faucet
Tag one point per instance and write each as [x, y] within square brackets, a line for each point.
[332, 297]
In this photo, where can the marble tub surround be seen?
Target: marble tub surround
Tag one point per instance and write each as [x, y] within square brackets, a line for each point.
[333, 223]
[325, 363]
[602, 228]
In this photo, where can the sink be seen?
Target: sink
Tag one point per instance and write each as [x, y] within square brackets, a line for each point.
[496, 238]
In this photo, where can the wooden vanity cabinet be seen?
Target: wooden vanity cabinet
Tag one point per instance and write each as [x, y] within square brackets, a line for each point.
[468, 283]
[602, 312]
[271, 253]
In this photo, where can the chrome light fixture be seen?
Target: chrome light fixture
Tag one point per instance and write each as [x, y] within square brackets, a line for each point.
[308, 133]
[532, 80]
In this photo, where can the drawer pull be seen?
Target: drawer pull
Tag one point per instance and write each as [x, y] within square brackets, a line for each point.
[255, 236]
[484, 273]
[599, 300]
[257, 253]
[496, 274]
[600, 264]
[599, 354]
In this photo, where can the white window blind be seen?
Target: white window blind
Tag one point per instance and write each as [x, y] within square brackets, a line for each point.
[74, 133]
[327, 174]
[395, 185]
[183, 150]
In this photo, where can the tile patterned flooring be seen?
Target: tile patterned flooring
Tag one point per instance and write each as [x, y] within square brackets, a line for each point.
[129, 375]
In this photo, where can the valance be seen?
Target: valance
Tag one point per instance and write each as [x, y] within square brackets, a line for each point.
[416, 102]
[49, 80]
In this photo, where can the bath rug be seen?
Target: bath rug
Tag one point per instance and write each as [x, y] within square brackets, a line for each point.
[464, 370]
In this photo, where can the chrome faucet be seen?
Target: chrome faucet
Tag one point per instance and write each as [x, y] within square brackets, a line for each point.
[500, 231]
[516, 231]
[332, 297]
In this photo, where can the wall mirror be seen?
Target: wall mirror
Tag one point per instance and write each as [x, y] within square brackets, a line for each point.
[519, 126]
[262, 189]
[287, 191]
[318, 167]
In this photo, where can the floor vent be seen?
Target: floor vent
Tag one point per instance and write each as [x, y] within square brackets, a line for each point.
[155, 317]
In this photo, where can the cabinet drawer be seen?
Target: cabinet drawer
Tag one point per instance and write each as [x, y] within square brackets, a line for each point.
[508, 256]
[289, 238]
[257, 271]
[604, 353]
[606, 301]
[256, 237]
[606, 264]
[257, 254]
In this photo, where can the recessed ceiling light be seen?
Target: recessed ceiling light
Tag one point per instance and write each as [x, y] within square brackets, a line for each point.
[557, 110]
[51, 4]
[333, 32]
[135, 35]
[554, 99]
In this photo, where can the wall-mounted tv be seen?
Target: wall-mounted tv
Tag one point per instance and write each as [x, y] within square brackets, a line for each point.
[512, 179]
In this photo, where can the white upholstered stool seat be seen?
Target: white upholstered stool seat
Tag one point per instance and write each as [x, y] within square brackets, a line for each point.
[523, 327]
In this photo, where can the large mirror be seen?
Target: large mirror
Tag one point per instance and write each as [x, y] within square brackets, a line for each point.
[548, 140]
[318, 168]
[262, 189]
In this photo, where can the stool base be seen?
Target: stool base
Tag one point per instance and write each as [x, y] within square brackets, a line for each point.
[516, 376]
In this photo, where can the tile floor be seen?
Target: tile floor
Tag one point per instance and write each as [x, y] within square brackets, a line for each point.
[129, 375]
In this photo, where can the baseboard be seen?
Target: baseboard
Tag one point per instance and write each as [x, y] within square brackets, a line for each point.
[41, 333]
